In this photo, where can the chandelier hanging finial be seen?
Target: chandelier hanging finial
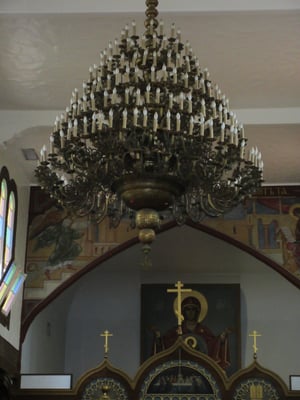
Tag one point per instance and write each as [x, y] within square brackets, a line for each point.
[151, 137]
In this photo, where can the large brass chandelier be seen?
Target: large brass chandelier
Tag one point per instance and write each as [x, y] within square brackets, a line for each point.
[150, 137]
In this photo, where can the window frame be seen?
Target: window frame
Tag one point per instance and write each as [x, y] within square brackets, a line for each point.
[7, 232]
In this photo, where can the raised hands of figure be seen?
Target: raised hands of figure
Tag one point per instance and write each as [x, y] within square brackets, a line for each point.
[225, 333]
[156, 332]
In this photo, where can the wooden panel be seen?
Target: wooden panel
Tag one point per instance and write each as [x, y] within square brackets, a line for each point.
[9, 357]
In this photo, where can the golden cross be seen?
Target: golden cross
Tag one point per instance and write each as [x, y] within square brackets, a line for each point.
[106, 335]
[179, 290]
[254, 335]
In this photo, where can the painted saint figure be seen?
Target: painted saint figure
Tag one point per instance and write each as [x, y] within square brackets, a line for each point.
[195, 334]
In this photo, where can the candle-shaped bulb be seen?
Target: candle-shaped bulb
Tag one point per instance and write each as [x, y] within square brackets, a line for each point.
[171, 96]
[135, 116]
[138, 97]
[203, 107]
[157, 98]
[108, 82]
[94, 117]
[161, 27]
[62, 141]
[85, 121]
[126, 29]
[178, 122]
[206, 73]
[181, 100]
[110, 48]
[145, 117]
[191, 128]
[133, 28]
[155, 58]
[124, 115]
[105, 98]
[211, 128]
[93, 104]
[51, 144]
[202, 126]
[145, 55]
[261, 165]
[148, 88]
[111, 118]
[75, 127]
[155, 121]
[242, 131]
[169, 54]
[220, 109]
[153, 73]
[76, 94]
[168, 120]
[91, 69]
[214, 109]
[173, 30]
[164, 72]
[126, 96]
[232, 134]
[222, 132]
[44, 152]
[174, 75]
[190, 104]
[208, 89]
[100, 120]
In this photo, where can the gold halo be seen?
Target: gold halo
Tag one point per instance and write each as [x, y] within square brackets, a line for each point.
[187, 339]
[199, 296]
[292, 209]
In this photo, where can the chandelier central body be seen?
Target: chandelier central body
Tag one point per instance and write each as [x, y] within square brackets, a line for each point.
[150, 134]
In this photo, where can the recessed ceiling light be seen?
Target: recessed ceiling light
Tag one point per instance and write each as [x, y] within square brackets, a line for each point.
[29, 154]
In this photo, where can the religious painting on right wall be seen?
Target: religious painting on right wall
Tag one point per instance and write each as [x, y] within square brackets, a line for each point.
[269, 222]
[210, 320]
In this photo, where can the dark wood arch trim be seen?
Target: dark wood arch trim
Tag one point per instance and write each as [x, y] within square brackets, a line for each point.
[210, 231]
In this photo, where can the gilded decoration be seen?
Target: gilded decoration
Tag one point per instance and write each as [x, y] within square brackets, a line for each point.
[180, 379]
[99, 386]
[256, 389]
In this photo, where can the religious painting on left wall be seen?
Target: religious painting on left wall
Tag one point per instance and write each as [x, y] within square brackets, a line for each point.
[211, 321]
[59, 244]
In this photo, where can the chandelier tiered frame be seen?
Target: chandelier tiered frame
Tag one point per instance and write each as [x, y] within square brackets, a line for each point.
[150, 137]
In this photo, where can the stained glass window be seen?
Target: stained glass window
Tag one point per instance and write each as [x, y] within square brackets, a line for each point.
[3, 207]
[11, 278]
[7, 282]
[19, 279]
[8, 194]
[9, 236]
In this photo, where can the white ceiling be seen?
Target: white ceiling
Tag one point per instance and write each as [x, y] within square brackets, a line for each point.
[252, 50]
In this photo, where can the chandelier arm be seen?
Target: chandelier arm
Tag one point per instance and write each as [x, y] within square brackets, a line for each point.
[98, 213]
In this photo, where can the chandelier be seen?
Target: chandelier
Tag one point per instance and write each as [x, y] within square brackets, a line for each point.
[150, 138]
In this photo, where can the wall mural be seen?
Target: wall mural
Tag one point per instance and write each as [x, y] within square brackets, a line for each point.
[59, 245]
[270, 223]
